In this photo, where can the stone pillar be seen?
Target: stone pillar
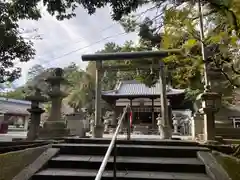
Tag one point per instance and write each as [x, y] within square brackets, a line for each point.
[114, 118]
[197, 126]
[98, 128]
[55, 126]
[209, 125]
[164, 126]
[35, 112]
[209, 108]
[106, 125]
[25, 119]
[175, 125]
[114, 114]
[92, 122]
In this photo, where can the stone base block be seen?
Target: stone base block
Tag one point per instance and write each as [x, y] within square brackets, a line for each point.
[76, 128]
[165, 132]
[98, 131]
[55, 124]
[53, 129]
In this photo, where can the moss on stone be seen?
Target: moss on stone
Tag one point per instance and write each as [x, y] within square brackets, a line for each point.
[13, 162]
[230, 164]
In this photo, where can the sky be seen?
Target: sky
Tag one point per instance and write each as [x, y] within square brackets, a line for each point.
[65, 41]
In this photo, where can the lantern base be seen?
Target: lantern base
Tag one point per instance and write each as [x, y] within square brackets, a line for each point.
[165, 132]
[53, 129]
[98, 131]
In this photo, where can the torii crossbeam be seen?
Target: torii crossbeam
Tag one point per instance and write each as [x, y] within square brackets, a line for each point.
[99, 57]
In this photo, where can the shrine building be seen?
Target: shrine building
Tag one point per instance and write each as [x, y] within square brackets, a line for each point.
[145, 101]
[14, 114]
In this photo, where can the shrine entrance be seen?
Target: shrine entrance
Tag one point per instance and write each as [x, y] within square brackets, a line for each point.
[100, 68]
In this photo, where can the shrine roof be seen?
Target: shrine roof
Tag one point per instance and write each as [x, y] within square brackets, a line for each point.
[14, 106]
[135, 88]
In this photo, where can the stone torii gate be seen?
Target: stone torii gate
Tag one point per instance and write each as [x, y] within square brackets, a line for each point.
[99, 57]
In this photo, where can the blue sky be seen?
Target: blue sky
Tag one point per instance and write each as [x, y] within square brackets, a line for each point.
[65, 41]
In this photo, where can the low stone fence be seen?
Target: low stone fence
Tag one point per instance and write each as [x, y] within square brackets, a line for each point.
[228, 133]
[12, 163]
[20, 145]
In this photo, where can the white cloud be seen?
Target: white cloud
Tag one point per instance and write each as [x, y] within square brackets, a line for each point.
[62, 39]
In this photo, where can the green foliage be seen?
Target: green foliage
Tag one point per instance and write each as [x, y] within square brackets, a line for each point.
[230, 164]
[81, 90]
[13, 163]
[35, 71]
[16, 94]
[12, 45]
[172, 27]
[110, 78]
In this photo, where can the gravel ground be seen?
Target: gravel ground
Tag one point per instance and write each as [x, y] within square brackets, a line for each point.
[9, 136]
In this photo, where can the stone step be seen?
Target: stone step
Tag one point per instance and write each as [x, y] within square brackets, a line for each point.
[76, 174]
[129, 163]
[131, 150]
[132, 141]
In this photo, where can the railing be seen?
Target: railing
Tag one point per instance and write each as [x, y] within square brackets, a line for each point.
[113, 146]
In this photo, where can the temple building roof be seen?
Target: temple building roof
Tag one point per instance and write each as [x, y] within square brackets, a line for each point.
[13, 106]
[135, 88]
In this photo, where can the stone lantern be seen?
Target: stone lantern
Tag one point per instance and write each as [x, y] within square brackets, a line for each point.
[55, 125]
[210, 105]
[175, 124]
[35, 112]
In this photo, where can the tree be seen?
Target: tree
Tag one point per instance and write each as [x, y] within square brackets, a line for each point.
[80, 90]
[12, 46]
[15, 94]
[176, 28]
[12, 11]
[110, 78]
[35, 71]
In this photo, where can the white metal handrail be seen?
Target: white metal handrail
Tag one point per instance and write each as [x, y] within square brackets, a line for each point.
[112, 144]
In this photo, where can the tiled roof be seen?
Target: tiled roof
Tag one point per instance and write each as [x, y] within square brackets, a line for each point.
[135, 88]
[3, 99]
[13, 106]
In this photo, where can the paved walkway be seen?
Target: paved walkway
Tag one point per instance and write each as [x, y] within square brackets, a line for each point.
[11, 135]
[141, 136]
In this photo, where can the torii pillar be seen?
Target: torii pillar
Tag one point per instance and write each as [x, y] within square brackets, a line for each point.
[98, 127]
[164, 126]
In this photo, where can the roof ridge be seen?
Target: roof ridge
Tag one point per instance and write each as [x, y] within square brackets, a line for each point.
[133, 81]
[14, 100]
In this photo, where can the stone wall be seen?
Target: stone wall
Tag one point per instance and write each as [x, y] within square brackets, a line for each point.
[222, 118]
[13, 162]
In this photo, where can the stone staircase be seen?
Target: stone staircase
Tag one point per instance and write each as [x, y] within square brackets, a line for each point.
[136, 159]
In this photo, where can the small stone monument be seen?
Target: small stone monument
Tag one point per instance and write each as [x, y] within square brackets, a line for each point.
[35, 112]
[55, 125]
[162, 129]
[76, 124]
[175, 125]
[107, 121]
[92, 124]
[197, 126]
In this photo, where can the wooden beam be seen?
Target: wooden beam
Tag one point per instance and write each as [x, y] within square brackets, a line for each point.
[130, 55]
[129, 67]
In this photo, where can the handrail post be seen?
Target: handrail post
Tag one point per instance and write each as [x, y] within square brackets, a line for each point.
[115, 161]
[128, 126]
[112, 146]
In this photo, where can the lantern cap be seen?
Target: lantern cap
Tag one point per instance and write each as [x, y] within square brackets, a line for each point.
[209, 96]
